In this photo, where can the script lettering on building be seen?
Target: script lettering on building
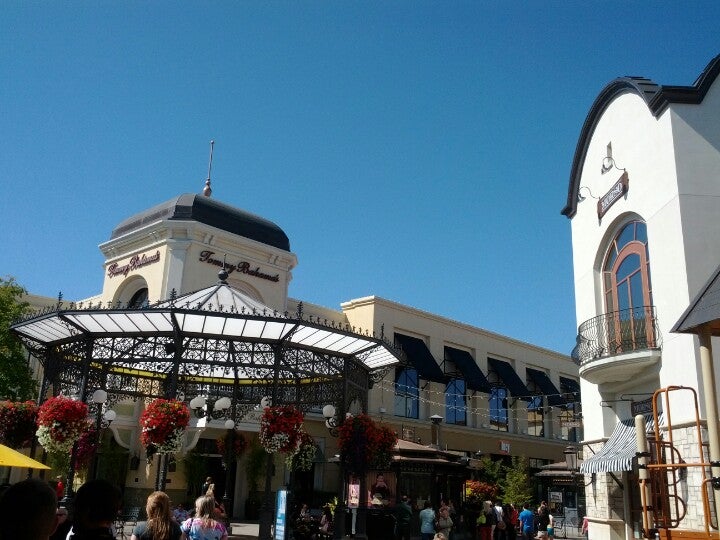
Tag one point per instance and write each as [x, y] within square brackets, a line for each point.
[135, 262]
[242, 267]
[616, 192]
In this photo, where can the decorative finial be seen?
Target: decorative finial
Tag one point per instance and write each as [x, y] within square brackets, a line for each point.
[207, 191]
[223, 274]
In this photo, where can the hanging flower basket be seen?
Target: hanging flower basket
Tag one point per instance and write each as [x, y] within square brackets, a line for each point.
[238, 448]
[364, 444]
[163, 424]
[61, 421]
[87, 447]
[280, 428]
[304, 457]
[18, 422]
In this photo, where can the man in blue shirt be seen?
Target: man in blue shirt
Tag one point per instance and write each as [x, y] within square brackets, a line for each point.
[527, 521]
[427, 522]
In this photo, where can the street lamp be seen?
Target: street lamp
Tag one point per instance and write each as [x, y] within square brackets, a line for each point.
[102, 420]
[571, 459]
[202, 408]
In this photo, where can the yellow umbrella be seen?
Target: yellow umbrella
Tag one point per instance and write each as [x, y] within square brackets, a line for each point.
[13, 458]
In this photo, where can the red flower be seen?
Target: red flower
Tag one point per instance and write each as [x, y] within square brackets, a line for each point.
[18, 423]
[365, 444]
[63, 416]
[280, 428]
[87, 447]
[161, 421]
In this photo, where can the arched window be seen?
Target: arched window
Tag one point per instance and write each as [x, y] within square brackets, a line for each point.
[455, 405]
[627, 288]
[139, 299]
[407, 392]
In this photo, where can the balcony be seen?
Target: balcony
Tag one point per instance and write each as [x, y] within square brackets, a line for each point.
[617, 346]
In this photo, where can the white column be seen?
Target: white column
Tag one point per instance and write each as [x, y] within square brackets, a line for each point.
[711, 411]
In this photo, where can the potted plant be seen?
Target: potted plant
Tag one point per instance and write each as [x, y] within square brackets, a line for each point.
[364, 444]
[61, 421]
[163, 424]
[18, 422]
[280, 428]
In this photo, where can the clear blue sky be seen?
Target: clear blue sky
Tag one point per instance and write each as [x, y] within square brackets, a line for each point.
[415, 150]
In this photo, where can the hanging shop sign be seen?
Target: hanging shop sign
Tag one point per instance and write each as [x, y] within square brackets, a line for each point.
[135, 262]
[614, 194]
[242, 267]
[642, 407]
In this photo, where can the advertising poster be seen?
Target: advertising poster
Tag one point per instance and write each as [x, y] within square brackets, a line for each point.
[353, 495]
[280, 514]
[382, 488]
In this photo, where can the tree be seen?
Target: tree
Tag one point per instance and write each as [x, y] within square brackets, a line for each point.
[16, 380]
[516, 486]
[492, 471]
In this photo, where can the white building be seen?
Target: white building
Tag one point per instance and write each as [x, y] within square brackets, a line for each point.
[643, 204]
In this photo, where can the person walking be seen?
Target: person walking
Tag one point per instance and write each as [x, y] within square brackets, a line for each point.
[403, 518]
[527, 522]
[486, 521]
[427, 522]
[543, 519]
[444, 523]
[204, 526]
[160, 524]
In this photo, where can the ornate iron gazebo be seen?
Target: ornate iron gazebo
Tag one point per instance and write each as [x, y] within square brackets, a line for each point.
[217, 343]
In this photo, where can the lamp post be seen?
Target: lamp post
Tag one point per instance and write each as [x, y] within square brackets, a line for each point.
[332, 424]
[229, 464]
[99, 397]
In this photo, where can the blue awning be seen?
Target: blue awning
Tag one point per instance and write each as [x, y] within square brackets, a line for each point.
[510, 379]
[420, 357]
[546, 386]
[474, 378]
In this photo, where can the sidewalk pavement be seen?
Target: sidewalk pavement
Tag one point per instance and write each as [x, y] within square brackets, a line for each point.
[241, 530]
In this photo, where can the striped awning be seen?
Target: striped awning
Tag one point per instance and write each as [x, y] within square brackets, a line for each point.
[619, 451]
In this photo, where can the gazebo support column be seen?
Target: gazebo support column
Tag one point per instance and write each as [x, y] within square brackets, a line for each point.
[266, 510]
[69, 493]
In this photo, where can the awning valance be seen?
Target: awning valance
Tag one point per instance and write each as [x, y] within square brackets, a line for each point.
[619, 451]
[510, 379]
[420, 357]
[474, 378]
[546, 386]
[570, 386]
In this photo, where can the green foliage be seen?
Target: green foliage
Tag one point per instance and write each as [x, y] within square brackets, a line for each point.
[16, 381]
[195, 466]
[491, 471]
[516, 485]
[255, 465]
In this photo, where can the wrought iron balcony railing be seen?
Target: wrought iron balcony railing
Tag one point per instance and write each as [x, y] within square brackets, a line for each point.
[616, 333]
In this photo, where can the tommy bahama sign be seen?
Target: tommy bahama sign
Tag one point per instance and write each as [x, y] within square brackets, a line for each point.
[135, 262]
[243, 267]
[614, 194]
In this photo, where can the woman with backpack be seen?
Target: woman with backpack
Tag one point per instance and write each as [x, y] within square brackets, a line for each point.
[486, 521]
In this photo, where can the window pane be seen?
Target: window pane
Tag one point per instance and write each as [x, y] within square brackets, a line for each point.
[630, 264]
[641, 232]
[498, 409]
[623, 297]
[636, 290]
[611, 258]
[626, 236]
[407, 393]
[455, 406]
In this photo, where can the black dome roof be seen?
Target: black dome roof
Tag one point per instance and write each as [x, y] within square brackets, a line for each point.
[189, 206]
